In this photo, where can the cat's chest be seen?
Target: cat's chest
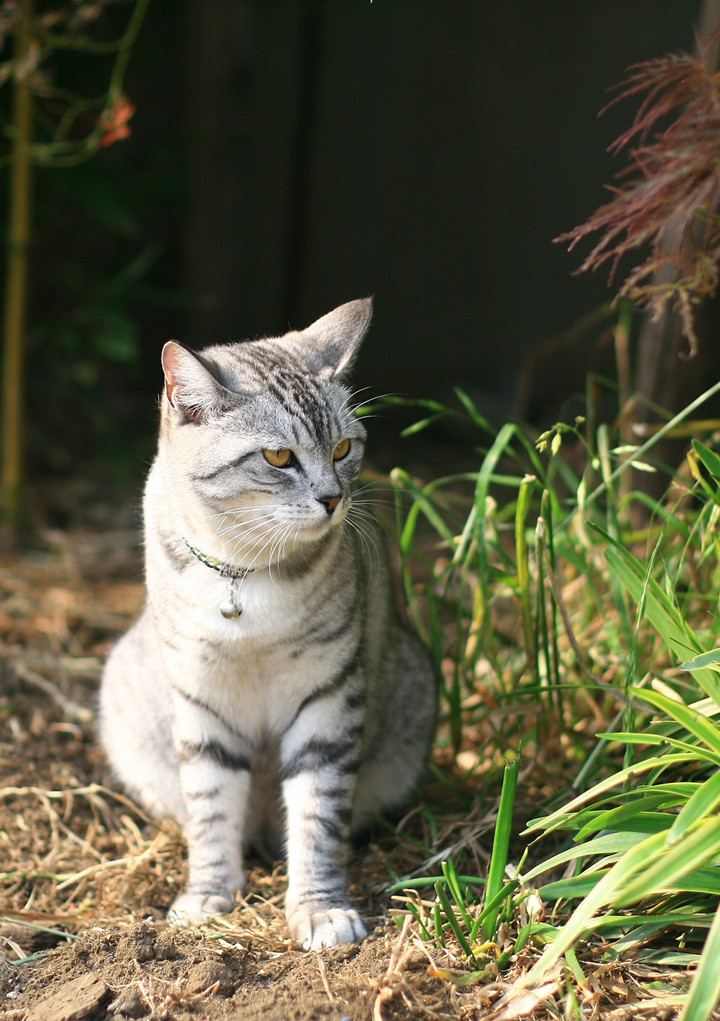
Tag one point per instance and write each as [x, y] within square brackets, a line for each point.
[271, 610]
[259, 667]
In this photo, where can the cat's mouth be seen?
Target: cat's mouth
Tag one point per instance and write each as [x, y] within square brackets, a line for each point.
[315, 530]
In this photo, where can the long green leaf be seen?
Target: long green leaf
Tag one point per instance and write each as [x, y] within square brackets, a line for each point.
[424, 504]
[648, 445]
[636, 858]
[491, 907]
[552, 821]
[664, 617]
[658, 609]
[608, 843]
[702, 802]
[701, 846]
[705, 989]
[698, 751]
[501, 842]
[473, 412]
[523, 569]
[609, 819]
[709, 458]
[572, 888]
[452, 918]
[707, 659]
[452, 881]
[699, 881]
[502, 440]
[695, 723]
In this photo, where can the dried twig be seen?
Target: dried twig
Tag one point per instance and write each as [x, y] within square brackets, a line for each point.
[69, 706]
[323, 975]
[389, 983]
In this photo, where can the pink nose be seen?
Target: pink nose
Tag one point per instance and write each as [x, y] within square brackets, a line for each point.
[332, 504]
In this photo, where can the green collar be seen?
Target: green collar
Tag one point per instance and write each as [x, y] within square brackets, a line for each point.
[224, 570]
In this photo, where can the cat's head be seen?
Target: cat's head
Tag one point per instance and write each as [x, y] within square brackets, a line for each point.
[260, 436]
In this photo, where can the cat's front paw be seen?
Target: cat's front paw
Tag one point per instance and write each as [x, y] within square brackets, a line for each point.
[194, 908]
[318, 929]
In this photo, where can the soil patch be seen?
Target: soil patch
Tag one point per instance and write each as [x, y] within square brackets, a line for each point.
[86, 878]
[145, 971]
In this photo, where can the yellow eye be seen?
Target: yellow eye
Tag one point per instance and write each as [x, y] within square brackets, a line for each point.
[341, 450]
[278, 458]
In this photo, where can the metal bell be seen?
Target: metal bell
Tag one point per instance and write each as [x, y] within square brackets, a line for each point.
[230, 607]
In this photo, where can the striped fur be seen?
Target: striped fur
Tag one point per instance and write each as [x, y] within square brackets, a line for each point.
[289, 725]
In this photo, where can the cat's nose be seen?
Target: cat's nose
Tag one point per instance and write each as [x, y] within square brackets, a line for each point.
[329, 502]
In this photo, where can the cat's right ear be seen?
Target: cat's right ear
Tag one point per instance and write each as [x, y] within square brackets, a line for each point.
[189, 387]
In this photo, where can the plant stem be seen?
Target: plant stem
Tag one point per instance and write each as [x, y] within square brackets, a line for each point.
[16, 274]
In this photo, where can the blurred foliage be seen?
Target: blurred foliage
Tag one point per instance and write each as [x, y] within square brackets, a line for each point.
[105, 262]
[671, 192]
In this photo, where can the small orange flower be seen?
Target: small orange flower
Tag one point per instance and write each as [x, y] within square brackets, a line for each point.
[114, 121]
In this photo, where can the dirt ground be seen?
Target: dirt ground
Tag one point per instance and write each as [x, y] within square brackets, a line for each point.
[86, 878]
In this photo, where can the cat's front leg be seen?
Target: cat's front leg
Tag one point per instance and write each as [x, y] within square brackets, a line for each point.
[318, 790]
[215, 782]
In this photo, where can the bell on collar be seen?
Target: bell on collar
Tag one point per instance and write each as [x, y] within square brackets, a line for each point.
[230, 607]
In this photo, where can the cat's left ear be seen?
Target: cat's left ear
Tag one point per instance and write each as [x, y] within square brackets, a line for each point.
[331, 344]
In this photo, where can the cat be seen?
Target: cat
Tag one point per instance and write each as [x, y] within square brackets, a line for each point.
[268, 693]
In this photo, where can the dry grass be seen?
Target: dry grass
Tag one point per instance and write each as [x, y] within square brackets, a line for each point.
[79, 862]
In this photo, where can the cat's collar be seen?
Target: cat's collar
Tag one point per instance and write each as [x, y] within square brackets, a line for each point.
[230, 606]
[224, 570]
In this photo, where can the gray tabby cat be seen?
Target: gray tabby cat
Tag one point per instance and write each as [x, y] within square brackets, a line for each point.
[268, 693]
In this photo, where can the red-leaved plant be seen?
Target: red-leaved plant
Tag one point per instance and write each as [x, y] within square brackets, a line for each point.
[672, 194]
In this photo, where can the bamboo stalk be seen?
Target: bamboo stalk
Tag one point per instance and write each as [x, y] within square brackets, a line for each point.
[16, 274]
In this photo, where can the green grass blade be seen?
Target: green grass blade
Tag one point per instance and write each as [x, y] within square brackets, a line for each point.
[498, 448]
[609, 819]
[424, 504]
[705, 989]
[707, 659]
[546, 510]
[477, 418]
[493, 906]
[540, 932]
[636, 858]
[571, 889]
[698, 751]
[416, 915]
[501, 842]
[702, 802]
[700, 881]
[452, 919]
[555, 819]
[452, 881]
[422, 882]
[437, 923]
[695, 723]
[697, 849]
[523, 570]
[664, 617]
[708, 458]
[648, 445]
[608, 843]
[658, 609]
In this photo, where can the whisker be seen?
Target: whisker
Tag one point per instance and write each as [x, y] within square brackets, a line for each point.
[251, 525]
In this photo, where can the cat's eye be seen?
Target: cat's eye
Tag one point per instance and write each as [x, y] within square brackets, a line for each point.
[278, 458]
[341, 450]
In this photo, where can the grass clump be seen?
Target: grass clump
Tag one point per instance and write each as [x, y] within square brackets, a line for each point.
[569, 618]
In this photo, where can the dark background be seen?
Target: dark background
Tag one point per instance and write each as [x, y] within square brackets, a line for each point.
[289, 155]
